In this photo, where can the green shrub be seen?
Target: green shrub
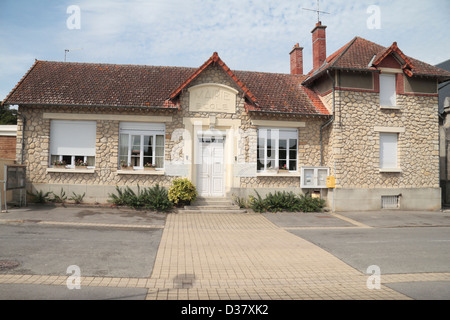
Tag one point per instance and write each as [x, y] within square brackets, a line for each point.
[40, 196]
[59, 198]
[77, 198]
[292, 202]
[118, 199]
[310, 204]
[282, 201]
[182, 192]
[127, 197]
[257, 204]
[285, 201]
[153, 198]
[240, 201]
[156, 198]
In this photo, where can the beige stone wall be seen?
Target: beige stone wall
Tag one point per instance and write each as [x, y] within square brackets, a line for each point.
[355, 143]
[37, 144]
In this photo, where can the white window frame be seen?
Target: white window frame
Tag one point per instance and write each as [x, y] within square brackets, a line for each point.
[388, 90]
[280, 134]
[58, 149]
[143, 130]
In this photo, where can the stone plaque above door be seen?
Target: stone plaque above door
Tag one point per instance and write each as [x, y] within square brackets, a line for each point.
[212, 97]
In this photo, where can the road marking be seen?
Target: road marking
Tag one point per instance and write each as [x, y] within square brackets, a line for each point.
[356, 223]
[84, 224]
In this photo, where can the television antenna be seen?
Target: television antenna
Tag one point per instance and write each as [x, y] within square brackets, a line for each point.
[317, 11]
[68, 50]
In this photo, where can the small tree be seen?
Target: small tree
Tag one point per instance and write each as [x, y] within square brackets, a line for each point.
[8, 116]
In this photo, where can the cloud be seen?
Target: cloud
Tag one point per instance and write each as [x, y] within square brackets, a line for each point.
[248, 34]
[154, 31]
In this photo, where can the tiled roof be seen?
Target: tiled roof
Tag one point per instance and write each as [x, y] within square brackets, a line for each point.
[89, 84]
[360, 54]
[282, 93]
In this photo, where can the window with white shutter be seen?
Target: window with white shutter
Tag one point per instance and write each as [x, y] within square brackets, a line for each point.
[387, 90]
[72, 142]
[388, 150]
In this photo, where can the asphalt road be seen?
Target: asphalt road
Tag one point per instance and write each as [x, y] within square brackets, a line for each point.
[394, 250]
[396, 242]
[106, 252]
[83, 239]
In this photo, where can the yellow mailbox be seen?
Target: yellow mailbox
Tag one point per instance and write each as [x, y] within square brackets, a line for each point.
[331, 182]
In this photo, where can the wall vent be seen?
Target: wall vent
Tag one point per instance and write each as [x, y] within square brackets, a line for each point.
[390, 202]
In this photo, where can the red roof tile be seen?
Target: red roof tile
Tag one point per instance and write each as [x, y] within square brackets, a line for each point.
[88, 84]
[360, 54]
[281, 93]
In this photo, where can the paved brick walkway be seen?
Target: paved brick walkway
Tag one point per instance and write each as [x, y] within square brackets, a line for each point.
[236, 256]
[239, 256]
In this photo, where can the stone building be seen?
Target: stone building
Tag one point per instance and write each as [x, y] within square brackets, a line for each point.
[366, 116]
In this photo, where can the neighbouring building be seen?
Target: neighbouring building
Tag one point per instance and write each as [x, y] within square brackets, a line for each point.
[444, 110]
[8, 135]
[365, 116]
[7, 157]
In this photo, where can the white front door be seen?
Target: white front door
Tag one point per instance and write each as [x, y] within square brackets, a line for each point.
[211, 170]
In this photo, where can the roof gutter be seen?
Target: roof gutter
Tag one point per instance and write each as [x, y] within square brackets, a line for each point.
[319, 74]
[89, 106]
[291, 113]
[441, 78]
[326, 124]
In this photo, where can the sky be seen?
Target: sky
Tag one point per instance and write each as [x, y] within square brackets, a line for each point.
[254, 35]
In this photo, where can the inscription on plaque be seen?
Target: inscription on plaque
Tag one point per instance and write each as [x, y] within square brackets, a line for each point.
[212, 98]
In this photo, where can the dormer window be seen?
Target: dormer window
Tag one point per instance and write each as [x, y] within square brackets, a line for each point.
[388, 90]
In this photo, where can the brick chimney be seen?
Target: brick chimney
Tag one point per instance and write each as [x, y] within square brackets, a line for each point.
[297, 60]
[319, 45]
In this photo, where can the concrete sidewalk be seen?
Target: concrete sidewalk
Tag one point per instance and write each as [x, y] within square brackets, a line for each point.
[84, 216]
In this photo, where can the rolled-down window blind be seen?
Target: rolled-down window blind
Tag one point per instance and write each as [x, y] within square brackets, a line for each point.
[387, 90]
[388, 150]
[72, 137]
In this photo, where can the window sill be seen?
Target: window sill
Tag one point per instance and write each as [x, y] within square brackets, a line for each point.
[142, 172]
[395, 170]
[390, 107]
[278, 174]
[70, 170]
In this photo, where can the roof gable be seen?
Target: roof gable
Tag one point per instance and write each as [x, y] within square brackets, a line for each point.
[214, 60]
[404, 62]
